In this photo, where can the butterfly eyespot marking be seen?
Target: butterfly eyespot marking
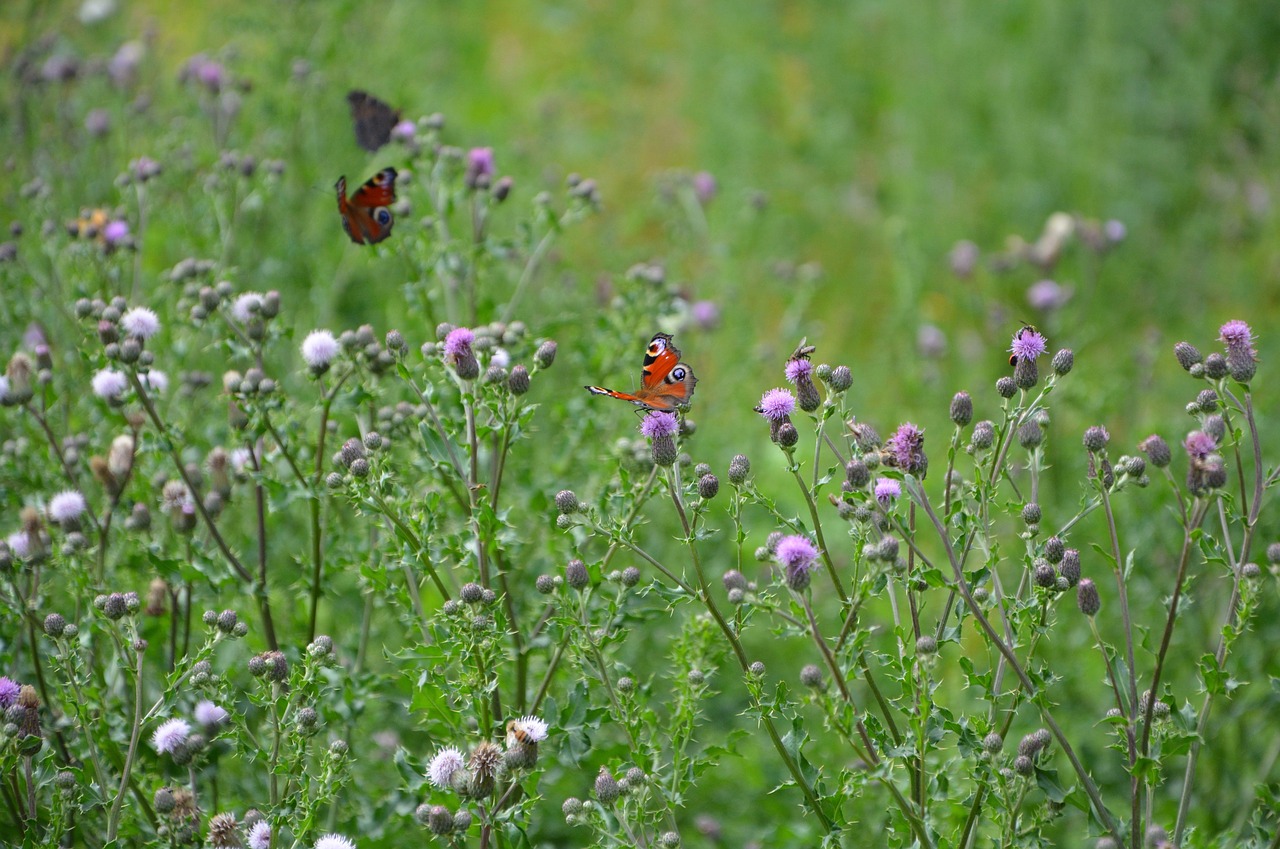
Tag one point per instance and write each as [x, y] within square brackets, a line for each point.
[366, 214]
[677, 374]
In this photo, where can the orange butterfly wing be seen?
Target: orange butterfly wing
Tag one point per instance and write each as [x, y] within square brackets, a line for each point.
[665, 382]
[373, 120]
[365, 215]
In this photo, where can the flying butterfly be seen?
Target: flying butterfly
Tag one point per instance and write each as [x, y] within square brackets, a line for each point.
[665, 382]
[373, 120]
[366, 215]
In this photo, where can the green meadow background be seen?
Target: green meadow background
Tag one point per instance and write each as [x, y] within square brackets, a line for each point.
[853, 144]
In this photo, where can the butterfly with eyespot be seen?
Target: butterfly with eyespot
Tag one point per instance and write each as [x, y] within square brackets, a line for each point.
[366, 215]
[373, 120]
[665, 382]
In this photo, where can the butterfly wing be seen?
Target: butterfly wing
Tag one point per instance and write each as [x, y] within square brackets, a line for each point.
[365, 215]
[665, 382]
[373, 120]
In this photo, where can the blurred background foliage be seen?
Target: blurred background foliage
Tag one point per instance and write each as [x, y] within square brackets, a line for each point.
[852, 145]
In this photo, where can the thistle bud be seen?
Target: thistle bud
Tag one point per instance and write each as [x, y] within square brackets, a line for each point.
[1087, 598]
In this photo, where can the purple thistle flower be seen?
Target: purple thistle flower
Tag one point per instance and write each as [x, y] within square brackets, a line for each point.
[907, 447]
[479, 166]
[1238, 338]
[210, 715]
[9, 690]
[260, 835]
[776, 405]
[704, 187]
[1028, 343]
[109, 384]
[404, 131]
[798, 557]
[458, 343]
[659, 424]
[705, 314]
[171, 735]
[446, 762]
[886, 490]
[319, 349]
[334, 841]
[1047, 295]
[115, 232]
[1199, 444]
[798, 369]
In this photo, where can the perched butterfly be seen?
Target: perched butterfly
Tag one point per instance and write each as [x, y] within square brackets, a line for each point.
[665, 382]
[1022, 331]
[365, 215]
[373, 120]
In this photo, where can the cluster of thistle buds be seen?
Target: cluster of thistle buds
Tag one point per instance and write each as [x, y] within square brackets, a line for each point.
[123, 330]
[227, 623]
[21, 706]
[355, 457]
[484, 353]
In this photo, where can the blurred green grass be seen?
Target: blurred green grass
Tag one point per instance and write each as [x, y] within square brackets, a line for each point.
[880, 133]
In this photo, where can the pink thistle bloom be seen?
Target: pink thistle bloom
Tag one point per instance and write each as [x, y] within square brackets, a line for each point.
[1199, 444]
[907, 447]
[441, 770]
[19, 544]
[1046, 295]
[140, 322]
[705, 314]
[1028, 343]
[246, 306]
[319, 349]
[209, 714]
[887, 490]
[798, 369]
[458, 343]
[260, 835]
[404, 131]
[658, 424]
[170, 735]
[155, 380]
[66, 506]
[1238, 338]
[334, 841]
[109, 384]
[9, 690]
[777, 404]
[798, 557]
[479, 163]
[115, 232]
[704, 187]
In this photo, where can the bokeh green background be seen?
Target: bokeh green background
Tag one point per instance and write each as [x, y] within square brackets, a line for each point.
[860, 139]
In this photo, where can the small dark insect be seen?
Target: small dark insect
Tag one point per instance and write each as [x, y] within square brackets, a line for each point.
[373, 120]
